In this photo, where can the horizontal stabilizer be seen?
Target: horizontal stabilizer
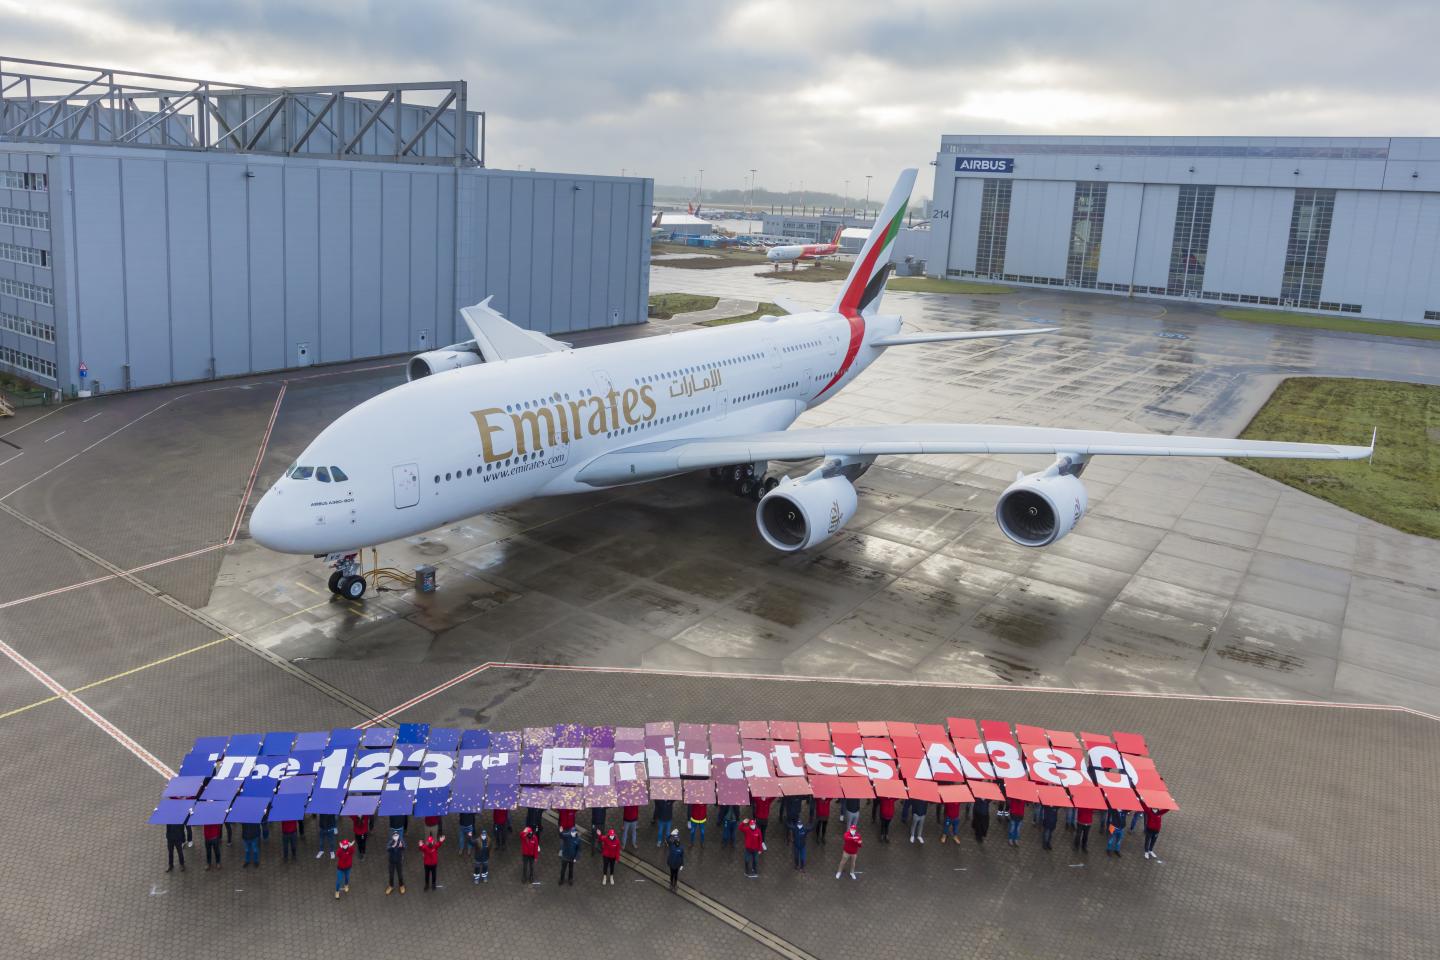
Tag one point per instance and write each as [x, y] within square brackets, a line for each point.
[904, 339]
[499, 339]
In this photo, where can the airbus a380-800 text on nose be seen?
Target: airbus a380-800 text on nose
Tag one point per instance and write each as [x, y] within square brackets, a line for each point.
[513, 414]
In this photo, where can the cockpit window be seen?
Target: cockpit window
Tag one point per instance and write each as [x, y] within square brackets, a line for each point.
[302, 473]
[339, 475]
[322, 474]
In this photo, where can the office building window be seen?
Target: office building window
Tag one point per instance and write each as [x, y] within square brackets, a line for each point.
[1305, 252]
[993, 229]
[1087, 224]
[28, 255]
[28, 328]
[16, 180]
[28, 362]
[33, 219]
[22, 290]
[1191, 241]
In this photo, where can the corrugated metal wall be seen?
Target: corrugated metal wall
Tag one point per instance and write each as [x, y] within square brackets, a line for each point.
[186, 266]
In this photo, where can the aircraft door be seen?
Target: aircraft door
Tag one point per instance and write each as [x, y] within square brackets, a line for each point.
[407, 484]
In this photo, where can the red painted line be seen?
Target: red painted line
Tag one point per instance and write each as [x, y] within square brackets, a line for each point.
[87, 711]
[939, 684]
[255, 469]
[111, 576]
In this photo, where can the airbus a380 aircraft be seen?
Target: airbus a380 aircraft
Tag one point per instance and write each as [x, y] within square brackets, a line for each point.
[513, 414]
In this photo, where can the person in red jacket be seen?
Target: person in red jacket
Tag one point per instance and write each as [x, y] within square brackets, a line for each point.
[1084, 817]
[852, 851]
[288, 841]
[887, 813]
[361, 828]
[433, 825]
[1016, 809]
[1152, 832]
[822, 818]
[212, 843]
[502, 826]
[630, 828]
[760, 813]
[950, 825]
[609, 856]
[754, 839]
[567, 819]
[529, 853]
[699, 813]
[344, 860]
[430, 857]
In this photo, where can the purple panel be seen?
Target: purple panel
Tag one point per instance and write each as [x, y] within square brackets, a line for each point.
[297, 786]
[732, 791]
[502, 796]
[662, 728]
[248, 810]
[244, 745]
[665, 790]
[444, 739]
[540, 736]
[221, 790]
[325, 801]
[629, 733]
[656, 743]
[411, 755]
[569, 735]
[699, 791]
[197, 765]
[171, 811]
[307, 759]
[567, 798]
[694, 734]
[312, 740]
[602, 737]
[186, 787]
[360, 805]
[290, 807]
[378, 737]
[277, 744]
[214, 745]
[413, 733]
[468, 799]
[506, 740]
[601, 797]
[475, 739]
[632, 793]
[602, 753]
[396, 803]
[432, 802]
[530, 771]
[344, 737]
[535, 797]
[510, 773]
[207, 812]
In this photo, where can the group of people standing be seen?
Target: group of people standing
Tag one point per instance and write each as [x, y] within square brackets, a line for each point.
[802, 821]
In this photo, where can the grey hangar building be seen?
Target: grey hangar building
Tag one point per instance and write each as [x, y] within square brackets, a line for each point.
[1345, 225]
[161, 229]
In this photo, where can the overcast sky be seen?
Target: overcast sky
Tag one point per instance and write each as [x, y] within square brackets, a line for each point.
[818, 92]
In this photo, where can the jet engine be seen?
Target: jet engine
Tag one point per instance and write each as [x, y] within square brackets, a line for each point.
[453, 357]
[801, 513]
[1038, 509]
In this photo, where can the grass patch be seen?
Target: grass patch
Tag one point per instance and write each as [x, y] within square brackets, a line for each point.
[1401, 488]
[937, 285]
[705, 258]
[663, 306]
[813, 273]
[764, 309]
[1310, 321]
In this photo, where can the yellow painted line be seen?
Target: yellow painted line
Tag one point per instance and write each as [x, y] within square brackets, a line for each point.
[304, 586]
[155, 663]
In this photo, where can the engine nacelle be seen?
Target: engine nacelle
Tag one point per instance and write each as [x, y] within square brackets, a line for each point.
[453, 357]
[802, 513]
[1037, 510]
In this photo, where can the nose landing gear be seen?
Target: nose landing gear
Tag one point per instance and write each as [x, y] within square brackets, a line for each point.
[346, 581]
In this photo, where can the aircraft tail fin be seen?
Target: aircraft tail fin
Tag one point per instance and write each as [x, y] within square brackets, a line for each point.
[872, 267]
[835, 240]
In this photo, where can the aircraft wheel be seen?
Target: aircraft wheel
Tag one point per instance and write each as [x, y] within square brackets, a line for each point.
[757, 490]
[771, 483]
[335, 582]
[352, 588]
[745, 487]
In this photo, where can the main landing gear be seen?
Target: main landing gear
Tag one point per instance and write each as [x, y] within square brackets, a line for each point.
[745, 480]
[346, 580]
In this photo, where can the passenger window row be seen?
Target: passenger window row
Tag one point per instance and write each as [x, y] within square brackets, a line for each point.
[672, 374]
[765, 393]
[497, 465]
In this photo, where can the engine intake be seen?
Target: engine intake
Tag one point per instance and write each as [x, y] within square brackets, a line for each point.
[805, 512]
[452, 357]
[1037, 510]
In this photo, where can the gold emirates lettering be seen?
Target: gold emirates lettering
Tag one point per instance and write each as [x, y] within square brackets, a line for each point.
[504, 434]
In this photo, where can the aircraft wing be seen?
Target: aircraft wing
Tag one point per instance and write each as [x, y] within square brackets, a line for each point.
[668, 457]
[499, 339]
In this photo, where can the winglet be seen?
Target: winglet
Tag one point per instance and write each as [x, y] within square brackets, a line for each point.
[1374, 433]
[499, 339]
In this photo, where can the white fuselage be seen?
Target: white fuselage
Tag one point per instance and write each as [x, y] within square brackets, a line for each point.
[477, 439]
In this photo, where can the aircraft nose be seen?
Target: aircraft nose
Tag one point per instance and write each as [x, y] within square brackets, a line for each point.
[267, 524]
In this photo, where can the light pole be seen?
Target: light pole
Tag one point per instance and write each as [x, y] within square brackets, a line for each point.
[700, 185]
[867, 193]
[752, 187]
[847, 196]
[802, 198]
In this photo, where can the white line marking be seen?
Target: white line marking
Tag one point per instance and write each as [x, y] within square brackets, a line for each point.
[33, 422]
[93, 416]
[48, 439]
[11, 457]
[111, 576]
[259, 457]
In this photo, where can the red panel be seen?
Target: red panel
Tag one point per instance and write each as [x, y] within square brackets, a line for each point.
[890, 788]
[969, 750]
[754, 730]
[962, 728]
[984, 790]
[1087, 795]
[857, 787]
[784, 730]
[815, 731]
[873, 728]
[932, 733]
[1131, 743]
[882, 744]
[1053, 796]
[909, 747]
[1022, 790]
[846, 727]
[955, 793]
[901, 729]
[996, 730]
[1095, 739]
[847, 742]
[1063, 739]
[699, 791]
[926, 790]
[1031, 735]
[795, 787]
[825, 786]
[764, 787]
[808, 745]
[1158, 799]
[1121, 798]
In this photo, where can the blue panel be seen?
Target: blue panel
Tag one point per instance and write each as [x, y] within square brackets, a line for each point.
[396, 803]
[258, 787]
[209, 812]
[360, 805]
[431, 802]
[413, 733]
[248, 810]
[345, 737]
[276, 744]
[502, 796]
[307, 759]
[184, 786]
[365, 266]
[147, 296]
[301, 785]
[314, 740]
[244, 745]
[171, 811]
[221, 790]
[444, 739]
[215, 745]
[197, 765]
[475, 739]
[287, 807]
[379, 737]
[325, 801]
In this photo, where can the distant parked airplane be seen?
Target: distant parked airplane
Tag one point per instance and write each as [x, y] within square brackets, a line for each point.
[794, 253]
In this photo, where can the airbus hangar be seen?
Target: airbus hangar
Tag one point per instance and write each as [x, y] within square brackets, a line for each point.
[1339, 225]
[159, 229]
